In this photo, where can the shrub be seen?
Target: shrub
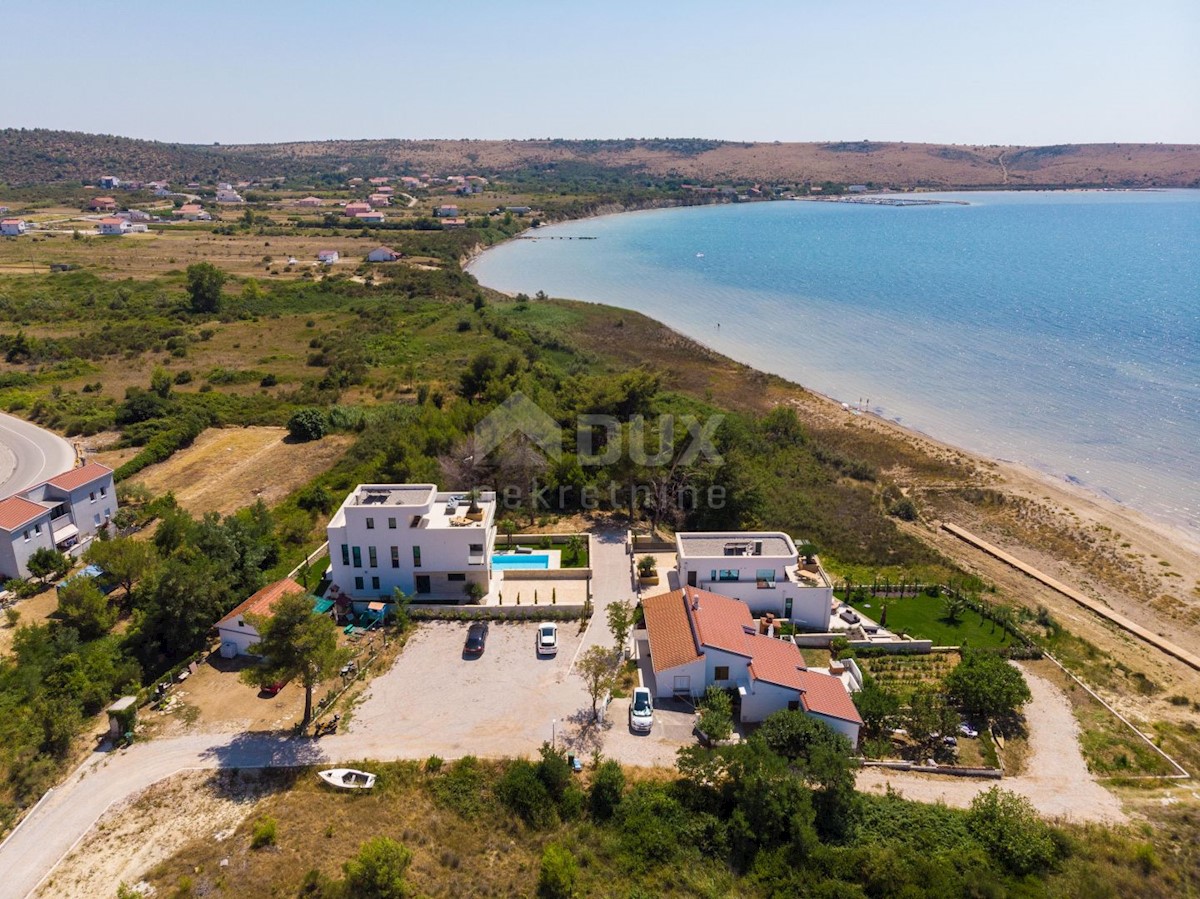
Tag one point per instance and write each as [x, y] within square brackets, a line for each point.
[608, 785]
[307, 424]
[263, 833]
[559, 871]
[377, 872]
[716, 716]
[1006, 825]
[524, 792]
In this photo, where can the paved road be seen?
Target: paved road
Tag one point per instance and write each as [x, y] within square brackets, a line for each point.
[29, 454]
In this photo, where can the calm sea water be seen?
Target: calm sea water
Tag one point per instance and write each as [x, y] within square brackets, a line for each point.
[1060, 330]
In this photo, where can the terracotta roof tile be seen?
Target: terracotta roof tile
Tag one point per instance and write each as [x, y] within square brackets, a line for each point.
[77, 477]
[775, 661]
[264, 600]
[17, 511]
[827, 695]
[672, 642]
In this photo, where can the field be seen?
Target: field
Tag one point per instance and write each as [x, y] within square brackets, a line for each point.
[925, 616]
[228, 468]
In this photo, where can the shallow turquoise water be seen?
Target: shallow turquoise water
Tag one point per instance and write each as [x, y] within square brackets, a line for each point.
[1060, 330]
[518, 562]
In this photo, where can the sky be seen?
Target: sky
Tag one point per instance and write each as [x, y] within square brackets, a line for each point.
[967, 71]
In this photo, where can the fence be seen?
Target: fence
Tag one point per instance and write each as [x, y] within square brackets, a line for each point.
[421, 612]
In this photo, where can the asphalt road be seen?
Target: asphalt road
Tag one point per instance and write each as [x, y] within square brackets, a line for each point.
[30, 455]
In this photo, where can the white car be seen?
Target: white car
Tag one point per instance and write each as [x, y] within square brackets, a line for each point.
[547, 639]
[967, 731]
[641, 711]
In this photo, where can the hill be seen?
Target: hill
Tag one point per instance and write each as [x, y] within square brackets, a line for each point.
[42, 156]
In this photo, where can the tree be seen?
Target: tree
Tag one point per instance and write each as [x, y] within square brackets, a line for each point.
[598, 669]
[377, 872]
[1010, 830]
[124, 558]
[160, 382]
[986, 686]
[953, 607]
[929, 717]
[608, 786]
[307, 424]
[185, 596]
[716, 715]
[876, 706]
[620, 622]
[295, 644]
[574, 547]
[46, 561]
[204, 283]
[556, 879]
[85, 608]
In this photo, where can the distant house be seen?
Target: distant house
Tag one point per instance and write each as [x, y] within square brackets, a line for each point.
[857, 188]
[386, 191]
[374, 217]
[102, 204]
[236, 633]
[380, 180]
[109, 182]
[57, 513]
[383, 254]
[162, 192]
[449, 211]
[136, 215]
[311, 202]
[454, 223]
[518, 210]
[228, 195]
[329, 257]
[12, 227]
[411, 182]
[379, 200]
[697, 639]
[353, 209]
[111, 226]
[192, 212]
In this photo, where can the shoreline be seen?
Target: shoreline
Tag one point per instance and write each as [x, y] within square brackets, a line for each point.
[1172, 530]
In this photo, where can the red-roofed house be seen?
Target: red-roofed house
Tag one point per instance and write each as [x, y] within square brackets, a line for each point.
[310, 201]
[379, 200]
[383, 254]
[353, 209]
[111, 226]
[12, 227]
[698, 639]
[57, 513]
[236, 633]
[103, 204]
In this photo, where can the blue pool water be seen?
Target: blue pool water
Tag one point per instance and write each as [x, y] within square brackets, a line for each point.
[508, 563]
[1060, 330]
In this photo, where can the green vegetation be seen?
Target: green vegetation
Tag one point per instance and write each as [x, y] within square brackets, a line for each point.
[929, 617]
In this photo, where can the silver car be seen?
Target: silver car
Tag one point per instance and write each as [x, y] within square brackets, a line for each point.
[547, 639]
[641, 711]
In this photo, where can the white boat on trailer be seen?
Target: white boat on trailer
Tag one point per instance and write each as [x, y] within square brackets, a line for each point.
[347, 779]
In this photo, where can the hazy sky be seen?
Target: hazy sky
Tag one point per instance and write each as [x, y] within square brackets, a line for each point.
[961, 71]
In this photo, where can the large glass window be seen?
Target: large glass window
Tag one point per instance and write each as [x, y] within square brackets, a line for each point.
[416, 557]
[395, 557]
[765, 578]
[345, 554]
[371, 557]
[357, 553]
[726, 574]
[370, 524]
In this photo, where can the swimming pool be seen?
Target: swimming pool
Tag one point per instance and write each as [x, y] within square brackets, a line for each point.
[509, 562]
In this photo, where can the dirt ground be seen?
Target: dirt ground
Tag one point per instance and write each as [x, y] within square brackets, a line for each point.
[34, 610]
[1055, 778]
[149, 828]
[228, 468]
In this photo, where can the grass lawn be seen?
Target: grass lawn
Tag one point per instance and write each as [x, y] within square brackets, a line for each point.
[925, 616]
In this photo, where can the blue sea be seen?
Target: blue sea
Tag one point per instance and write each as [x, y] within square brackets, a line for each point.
[1060, 330]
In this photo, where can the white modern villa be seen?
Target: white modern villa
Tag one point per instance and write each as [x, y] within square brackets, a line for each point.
[762, 569]
[429, 544]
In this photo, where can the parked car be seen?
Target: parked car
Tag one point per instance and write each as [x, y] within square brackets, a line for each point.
[967, 731]
[273, 689]
[476, 639]
[641, 711]
[849, 615]
[547, 639]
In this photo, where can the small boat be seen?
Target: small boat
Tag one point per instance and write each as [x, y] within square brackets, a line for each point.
[699, 255]
[348, 779]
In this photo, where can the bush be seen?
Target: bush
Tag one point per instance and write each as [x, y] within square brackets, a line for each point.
[307, 424]
[608, 785]
[263, 833]
[1006, 825]
[559, 871]
[524, 792]
[716, 715]
[377, 872]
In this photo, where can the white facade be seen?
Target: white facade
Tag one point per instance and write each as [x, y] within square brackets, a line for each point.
[12, 227]
[762, 569]
[228, 195]
[328, 256]
[411, 537]
[113, 226]
[25, 530]
[382, 254]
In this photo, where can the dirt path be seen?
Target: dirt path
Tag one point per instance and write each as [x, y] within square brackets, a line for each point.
[1056, 778]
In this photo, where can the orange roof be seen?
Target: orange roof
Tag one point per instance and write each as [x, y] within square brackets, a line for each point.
[672, 642]
[825, 694]
[776, 661]
[17, 511]
[262, 602]
[77, 477]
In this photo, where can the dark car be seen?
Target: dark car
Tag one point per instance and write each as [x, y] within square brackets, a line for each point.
[476, 638]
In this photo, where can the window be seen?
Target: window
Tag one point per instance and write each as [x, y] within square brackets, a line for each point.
[92, 496]
[241, 622]
[358, 583]
[370, 524]
[104, 491]
[26, 533]
[721, 672]
[395, 557]
[765, 578]
[456, 576]
[416, 557]
[374, 583]
[725, 574]
[345, 554]
[96, 518]
[357, 553]
[416, 521]
[37, 528]
[391, 524]
[371, 558]
[794, 705]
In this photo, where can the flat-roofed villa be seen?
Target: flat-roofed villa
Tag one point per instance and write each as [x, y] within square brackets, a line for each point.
[762, 569]
[429, 544]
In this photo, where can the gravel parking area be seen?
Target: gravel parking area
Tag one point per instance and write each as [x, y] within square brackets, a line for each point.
[672, 729]
[435, 701]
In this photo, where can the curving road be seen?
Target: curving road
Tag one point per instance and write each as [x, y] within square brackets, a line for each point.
[30, 455]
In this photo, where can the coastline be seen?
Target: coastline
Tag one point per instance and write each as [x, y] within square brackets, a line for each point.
[1154, 547]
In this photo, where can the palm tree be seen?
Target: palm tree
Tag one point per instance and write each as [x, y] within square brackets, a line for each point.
[574, 547]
